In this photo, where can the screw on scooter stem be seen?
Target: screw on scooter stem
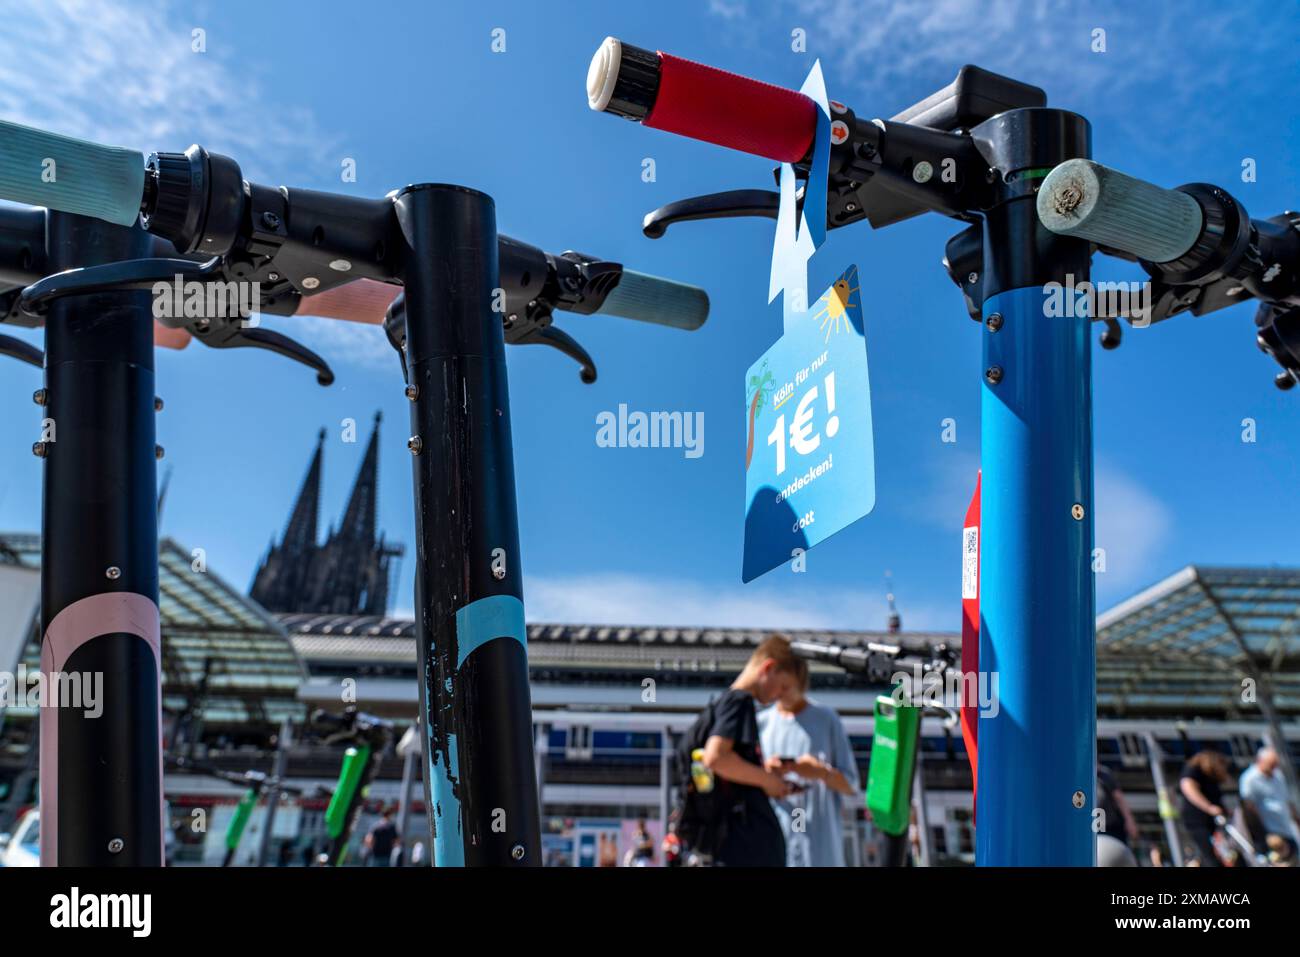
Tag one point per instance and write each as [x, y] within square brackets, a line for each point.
[70, 175]
[1089, 201]
[680, 96]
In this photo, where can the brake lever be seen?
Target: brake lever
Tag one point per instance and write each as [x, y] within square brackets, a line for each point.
[22, 351]
[219, 332]
[224, 333]
[533, 328]
[113, 277]
[1279, 338]
[558, 338]
[731, 204]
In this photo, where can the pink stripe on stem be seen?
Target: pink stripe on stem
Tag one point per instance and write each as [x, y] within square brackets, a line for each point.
[111, 613]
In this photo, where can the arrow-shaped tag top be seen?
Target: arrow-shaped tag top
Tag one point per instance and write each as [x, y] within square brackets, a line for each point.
[794, 245]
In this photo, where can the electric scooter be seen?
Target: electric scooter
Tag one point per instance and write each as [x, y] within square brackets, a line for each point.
[980, 151]
[107, 208]
[257, 784]
[367, 739]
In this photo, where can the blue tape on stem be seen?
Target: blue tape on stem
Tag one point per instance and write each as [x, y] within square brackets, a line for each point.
[501, 616]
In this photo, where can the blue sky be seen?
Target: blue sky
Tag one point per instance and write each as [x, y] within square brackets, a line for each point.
[413, 92]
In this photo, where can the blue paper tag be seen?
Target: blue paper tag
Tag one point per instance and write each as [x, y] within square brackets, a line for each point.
[809, 458]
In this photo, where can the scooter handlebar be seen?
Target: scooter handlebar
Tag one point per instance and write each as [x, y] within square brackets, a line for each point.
[363, 300]
[680, 96]
[1089, 201]
[637, 296]
[70, 175]
[653, 299]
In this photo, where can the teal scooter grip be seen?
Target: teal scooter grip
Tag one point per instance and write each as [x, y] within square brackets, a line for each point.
[70, 175]
[661, 301]
[1089, 201]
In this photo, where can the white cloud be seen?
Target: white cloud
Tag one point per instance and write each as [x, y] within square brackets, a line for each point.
[1133, 526]
[883, 46]
[624, 599]
[124, 74]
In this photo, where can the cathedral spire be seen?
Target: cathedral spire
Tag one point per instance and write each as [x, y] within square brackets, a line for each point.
[300, 533]
[359, 519]
[280, 581]
[348, 573]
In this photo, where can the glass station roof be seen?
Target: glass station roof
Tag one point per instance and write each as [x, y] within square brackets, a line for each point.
[251, 668]
[1205, 636]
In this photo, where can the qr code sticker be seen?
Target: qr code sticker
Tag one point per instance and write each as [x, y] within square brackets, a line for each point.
[970, 562]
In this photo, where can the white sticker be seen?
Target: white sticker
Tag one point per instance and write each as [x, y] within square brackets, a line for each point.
[970, 562]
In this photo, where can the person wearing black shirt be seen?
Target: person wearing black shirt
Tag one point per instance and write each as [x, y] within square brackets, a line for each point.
[752, 835]
[381, 840]
[1201, 785]
[1119, 821]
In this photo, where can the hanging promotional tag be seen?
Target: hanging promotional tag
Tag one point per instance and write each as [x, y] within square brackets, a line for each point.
[809, 455]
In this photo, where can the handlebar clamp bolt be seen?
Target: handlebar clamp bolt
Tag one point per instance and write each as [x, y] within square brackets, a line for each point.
[1076, 510]
[41, 396]
[311, 282]
[273, 277]
[973, 278]
[412, 392]
[922, 172]
[116, 845]
[112, 573]
[270, 220]
[993, 375]
[994, 321]
[1078, 799]
[517, 852]
[157, 403]
[40, 449]
[158, 452]
[414, 444]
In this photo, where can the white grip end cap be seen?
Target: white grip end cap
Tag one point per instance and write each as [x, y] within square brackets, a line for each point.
[603, 73]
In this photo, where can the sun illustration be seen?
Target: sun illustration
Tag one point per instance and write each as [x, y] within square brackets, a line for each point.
[837, 300]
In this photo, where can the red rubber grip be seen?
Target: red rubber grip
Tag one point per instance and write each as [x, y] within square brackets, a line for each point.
[730, 110]
[170, 338]
[362, 300]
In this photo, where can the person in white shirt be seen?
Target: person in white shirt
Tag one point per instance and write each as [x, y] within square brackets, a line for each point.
[807, 742]
[1263, 790]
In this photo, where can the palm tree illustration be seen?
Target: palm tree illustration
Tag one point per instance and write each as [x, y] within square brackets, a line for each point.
[762, 386]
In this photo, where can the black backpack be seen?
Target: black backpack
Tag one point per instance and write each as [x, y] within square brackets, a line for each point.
[701, 817]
